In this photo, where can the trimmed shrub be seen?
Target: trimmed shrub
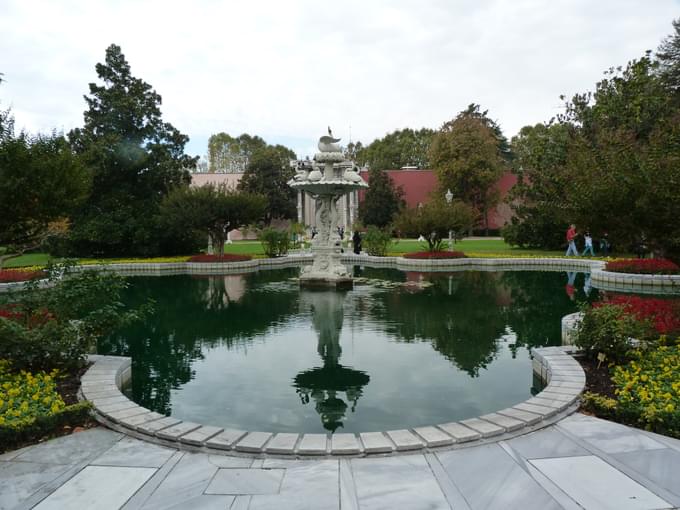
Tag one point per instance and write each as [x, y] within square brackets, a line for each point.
[274, 242]
[376, 241]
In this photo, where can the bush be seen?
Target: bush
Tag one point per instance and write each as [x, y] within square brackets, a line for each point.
[643, 266]
[435, 255]
[274, 242]
[608, 329]
[376, 241]
[227, 257]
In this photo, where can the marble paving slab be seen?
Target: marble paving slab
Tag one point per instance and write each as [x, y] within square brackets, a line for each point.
[100, 487]
[244, 482]
[594, 484]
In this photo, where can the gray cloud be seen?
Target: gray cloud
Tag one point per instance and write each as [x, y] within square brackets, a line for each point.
[284, 70]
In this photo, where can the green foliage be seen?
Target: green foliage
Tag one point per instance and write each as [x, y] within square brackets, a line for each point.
[537, 199]
[608, 329]
[135, 159]
[435, 219]
[229, 154]
[469, 158]
[669, 58]
[274, 242]
[57, 327]
[41, 181]
[267, 174]
[404, 147]
[198, 212]
[382, 201]
[376, 241]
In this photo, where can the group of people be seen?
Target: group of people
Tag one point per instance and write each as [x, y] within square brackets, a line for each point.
[605, 246]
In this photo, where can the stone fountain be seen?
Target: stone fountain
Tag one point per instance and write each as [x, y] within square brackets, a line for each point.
[326, 179]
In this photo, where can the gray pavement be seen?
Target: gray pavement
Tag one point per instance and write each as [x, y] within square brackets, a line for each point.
[580, 462]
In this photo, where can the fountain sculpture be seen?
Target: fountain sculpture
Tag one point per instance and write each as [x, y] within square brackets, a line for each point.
[326, 180]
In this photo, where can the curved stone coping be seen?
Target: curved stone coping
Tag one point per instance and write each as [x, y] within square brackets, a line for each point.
[566, 380]
[642, 283]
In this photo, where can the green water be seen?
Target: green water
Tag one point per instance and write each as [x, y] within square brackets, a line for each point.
[255, 352]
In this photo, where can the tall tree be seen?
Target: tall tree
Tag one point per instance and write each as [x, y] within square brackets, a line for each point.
[469, 158]
[267, 174]
[403, 147]
[538, 199]
[229, 154]
[382, 200]
[668, 55]
[135, 159]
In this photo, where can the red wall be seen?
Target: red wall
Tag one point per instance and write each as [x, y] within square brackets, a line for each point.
[419, 184]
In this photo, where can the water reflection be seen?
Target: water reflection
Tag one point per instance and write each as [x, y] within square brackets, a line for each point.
[326, 385]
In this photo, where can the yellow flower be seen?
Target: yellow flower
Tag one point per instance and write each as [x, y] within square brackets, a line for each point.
[670, 408]
[644, 377]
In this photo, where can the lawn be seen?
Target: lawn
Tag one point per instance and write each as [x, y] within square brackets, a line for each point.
[473, 247]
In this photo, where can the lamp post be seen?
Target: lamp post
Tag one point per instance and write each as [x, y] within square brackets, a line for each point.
[449, 197]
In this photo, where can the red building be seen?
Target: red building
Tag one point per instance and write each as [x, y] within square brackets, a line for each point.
[418, 185]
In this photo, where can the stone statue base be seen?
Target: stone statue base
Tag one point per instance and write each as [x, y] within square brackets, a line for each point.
[325, 282]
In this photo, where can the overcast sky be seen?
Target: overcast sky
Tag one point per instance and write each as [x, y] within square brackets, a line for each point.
[286, 70]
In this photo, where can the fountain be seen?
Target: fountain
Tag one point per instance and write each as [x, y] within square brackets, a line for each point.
[327, 179]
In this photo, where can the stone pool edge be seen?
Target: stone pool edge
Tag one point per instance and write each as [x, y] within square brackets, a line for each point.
[565, 378]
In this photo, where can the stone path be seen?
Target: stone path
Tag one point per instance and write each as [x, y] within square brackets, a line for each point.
[581, 462]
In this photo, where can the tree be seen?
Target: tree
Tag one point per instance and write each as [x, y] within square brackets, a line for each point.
[210, 211]
[435, 219]
[228, 154]
[668, 55]
[382, 200]
[405, 147]
[135, 159]
[468, 157]
[538, 198]
[41, 182]
[267, 174]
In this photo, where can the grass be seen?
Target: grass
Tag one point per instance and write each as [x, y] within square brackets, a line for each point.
[476, 247]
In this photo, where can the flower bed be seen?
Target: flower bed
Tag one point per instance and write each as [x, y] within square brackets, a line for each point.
[427, 255]
[643, 266]
[662, 314]
[30, 406]
[227, 257]
[19, 275]
[647, 392]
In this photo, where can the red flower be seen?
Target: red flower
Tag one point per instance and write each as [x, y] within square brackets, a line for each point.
[643, 266]
[18, 275]
[664, 314]
[227, 257]
[435, 255]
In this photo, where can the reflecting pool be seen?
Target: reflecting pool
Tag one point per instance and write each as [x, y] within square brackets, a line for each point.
[402, 349]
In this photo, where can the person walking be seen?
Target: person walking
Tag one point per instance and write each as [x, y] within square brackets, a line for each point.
[589, 245]
[605, 246]
[356, 241]
[571, 236]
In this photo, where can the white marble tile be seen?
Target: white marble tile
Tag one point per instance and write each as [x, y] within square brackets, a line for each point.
[101, 487]
[130, 452]
[607, 436]
[18, 480]
[243, 482]
[548, 442]
[660, 466]
[594, 484]
[404, 482]
[489, 478]
[71, 449]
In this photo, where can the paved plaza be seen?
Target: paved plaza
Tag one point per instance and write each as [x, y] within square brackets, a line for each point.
[580, 462]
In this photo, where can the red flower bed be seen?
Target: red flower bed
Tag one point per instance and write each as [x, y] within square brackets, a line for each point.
[663, 314]
[18, 275]
[37, 318]
[228, 257]
[435, 255]
[643, 266]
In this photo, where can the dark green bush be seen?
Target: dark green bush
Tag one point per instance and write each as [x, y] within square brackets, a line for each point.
[608, 329]
[376, 241]
[274, 242]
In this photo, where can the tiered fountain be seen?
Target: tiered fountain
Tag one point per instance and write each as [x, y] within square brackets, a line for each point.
[327, 179]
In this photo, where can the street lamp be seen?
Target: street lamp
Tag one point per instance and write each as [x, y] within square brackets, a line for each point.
[449, 197]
